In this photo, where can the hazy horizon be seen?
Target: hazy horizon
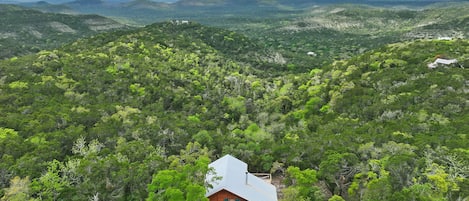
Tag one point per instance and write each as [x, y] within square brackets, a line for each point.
[65, 1]
[173, 1]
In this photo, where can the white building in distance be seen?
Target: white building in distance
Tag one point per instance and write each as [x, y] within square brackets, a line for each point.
[440, 61]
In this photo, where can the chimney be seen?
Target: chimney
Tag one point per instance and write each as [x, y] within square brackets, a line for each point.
[246, 178]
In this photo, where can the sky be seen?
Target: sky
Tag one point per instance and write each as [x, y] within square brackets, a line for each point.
[65, 1]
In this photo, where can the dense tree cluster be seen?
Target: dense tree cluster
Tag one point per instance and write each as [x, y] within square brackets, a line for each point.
[136, 115]
[337, 32]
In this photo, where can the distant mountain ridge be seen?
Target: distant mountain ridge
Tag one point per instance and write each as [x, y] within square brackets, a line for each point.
[305, 2]
[87, 2]
[45, 6]
[202, 2]
[142, 12]
[145, 4]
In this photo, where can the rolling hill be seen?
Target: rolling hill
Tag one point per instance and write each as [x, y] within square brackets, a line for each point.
[45, 6]
[24, 31]
[332, 32]
[342, 31]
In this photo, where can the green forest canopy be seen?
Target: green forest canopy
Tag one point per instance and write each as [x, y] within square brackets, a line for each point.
[119, 116]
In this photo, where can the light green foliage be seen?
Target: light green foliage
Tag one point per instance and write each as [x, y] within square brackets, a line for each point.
[336, 198]
[439, 119]
[164, 180]
[372, 184]
[292, 194]
[124, 114]
[378, 189]
[301, 184]
[50, 185]
[184, 180]
[253, 132]
[7, 133]
[19, 190]
[203, 137]
[193, 119]
[418, 192]
[18, 85]
[437, 176]
[286, 89]
[422, 115]
[137, 89]
[313, 104]
[81, 148]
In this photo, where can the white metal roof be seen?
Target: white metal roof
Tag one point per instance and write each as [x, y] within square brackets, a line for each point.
[236, 179]
[446, 61]
[442, 61]
[445, 38]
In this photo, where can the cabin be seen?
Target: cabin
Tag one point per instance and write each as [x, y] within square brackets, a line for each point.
[442, 62]
[313, 54]
[445, 38]
[180, 22]
[230, 180]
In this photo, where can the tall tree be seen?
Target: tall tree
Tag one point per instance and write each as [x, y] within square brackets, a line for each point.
[185, 178]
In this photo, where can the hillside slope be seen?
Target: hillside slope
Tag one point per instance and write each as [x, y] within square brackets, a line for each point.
[122, 115]
[380, 125]
[158, 87]
[342, 31]
[24, 31]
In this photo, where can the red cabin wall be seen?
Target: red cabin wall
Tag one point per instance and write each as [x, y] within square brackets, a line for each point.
[223, 194]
